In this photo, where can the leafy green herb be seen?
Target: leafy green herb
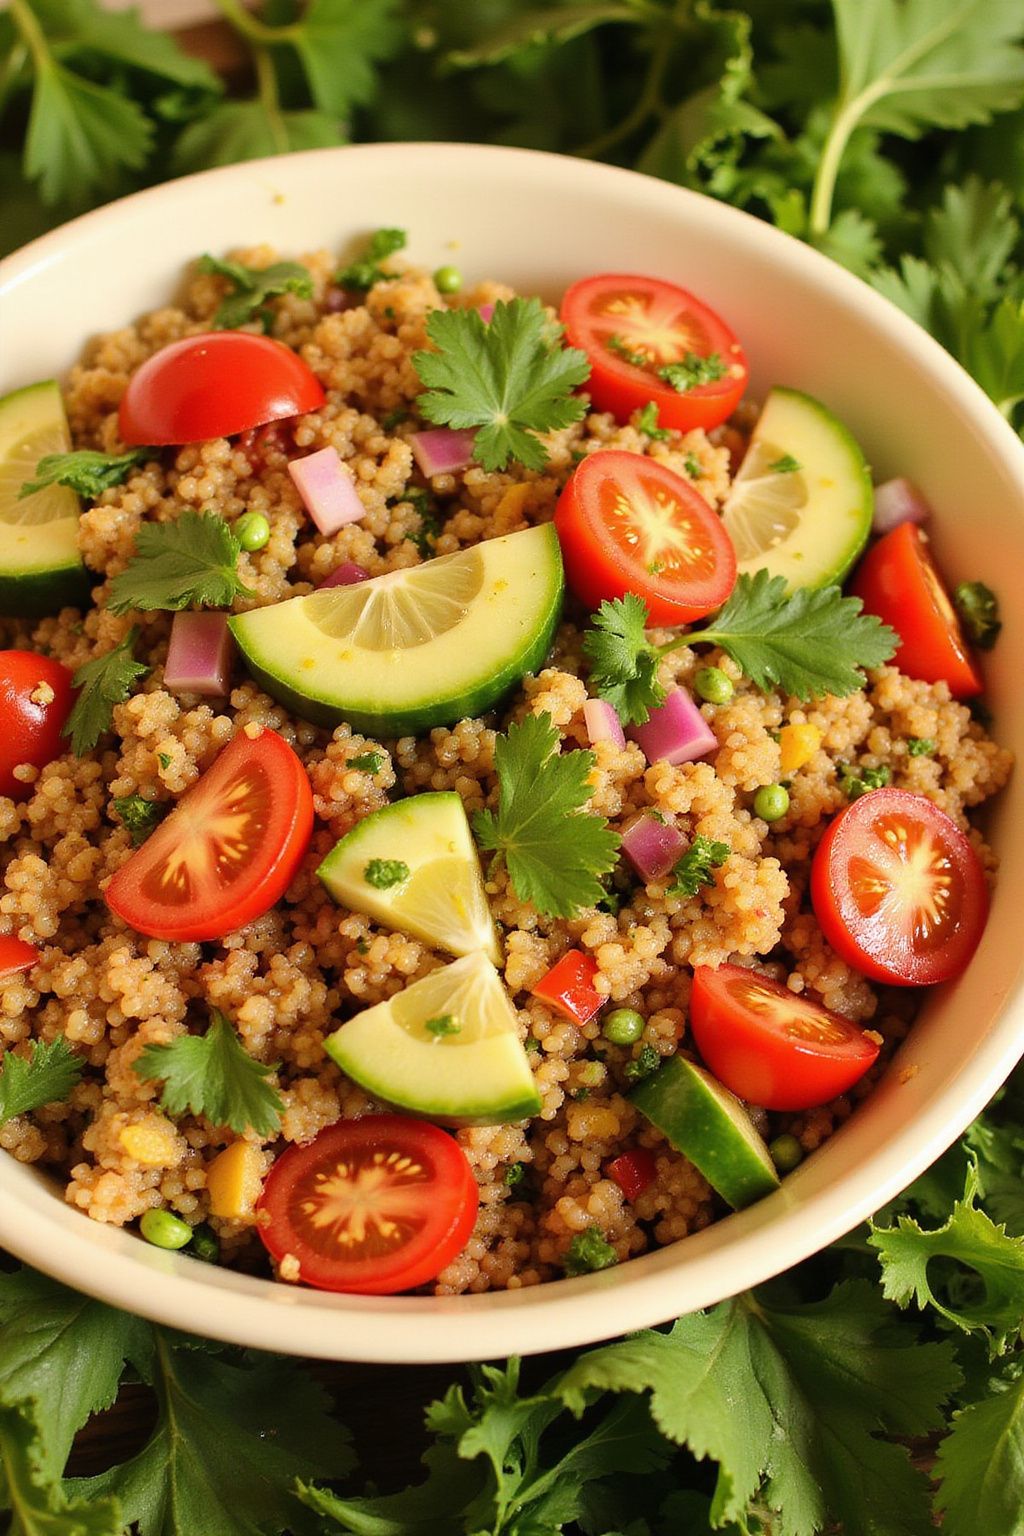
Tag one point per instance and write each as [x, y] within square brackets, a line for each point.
[101, 683]
[362, 274]
[693, 371]
[29, 1489]
[253, 287]
[855, 782]
[187, 563]
[981, 1465]
[555, 851]
[45, 1076]
[978, 608]
[647, 423]
[694, 869]
[587, 1252]
[139, 815]
[786, 465]
[920, 746]
[645, 1064]
[616, 345]
[367, 762]
[163, 758]
[214, 1075]
[85, 471]
[623, 666]
[384, 873]
[510, 378]
[445, 1024]
[693, 466]
[515, 1173]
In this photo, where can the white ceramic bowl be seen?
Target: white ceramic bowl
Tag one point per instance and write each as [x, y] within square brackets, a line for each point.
[540, 221]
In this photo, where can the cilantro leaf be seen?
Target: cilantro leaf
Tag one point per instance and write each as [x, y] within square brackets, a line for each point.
[86, 472]
[647, 423]
[978, 608]
[362, 273]
[587, 1252]
[339, 43]
[253, 287]
[187, 563]
[214, 1075]
[694, 869]
[85, 29]
[44, 1077]
[693, 371]
[510, 378]
[245, 130]
[974, 232]
[981, 1466]
[139, 815]
[31, 1490]
[384, 873]
[81, 135]
[920, 746]
[367, 762]
[555, 851]
[623, 663]
[101, 683]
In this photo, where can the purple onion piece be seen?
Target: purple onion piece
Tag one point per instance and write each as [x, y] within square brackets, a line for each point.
[602, 723]
[345, 575]
[652, 846]
[200, 654]
[327, 489]
[898, 501]
[442, 450]
[676, 731]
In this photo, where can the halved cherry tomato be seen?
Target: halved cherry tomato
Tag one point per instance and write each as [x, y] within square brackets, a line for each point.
[633, 1171]
[644, 317]
[35, 701]
[15, 956]
[374, 1206]
[897, 581]
[898, 890]
[628, 524]
[215, 385]
[771, 1046]
[569, 989]
[227, 852]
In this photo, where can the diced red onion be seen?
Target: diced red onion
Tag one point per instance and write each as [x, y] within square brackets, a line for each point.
[200, 654]
[676, 731]
[347, 574]
[486, 312]
[602, 723]
[898, 501]
[652, 846]
[327, 489]
[442, 450]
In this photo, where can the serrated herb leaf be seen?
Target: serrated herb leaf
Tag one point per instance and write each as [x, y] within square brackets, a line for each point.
[253, 288]
[139, 815]
[245, 130]
[340, 43]
[214, 1075]
[30, 1487]
[695, 868]
[980, 1467]
[81, 135]
[101, 683]
[623, 663]
[188, 563]
[361, 274]
[85, 471]
[46, 1075]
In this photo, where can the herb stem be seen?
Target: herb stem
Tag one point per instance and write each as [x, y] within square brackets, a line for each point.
[827, 172]
[27, 24]
[250, 26]
[648, 103]
[270, 101]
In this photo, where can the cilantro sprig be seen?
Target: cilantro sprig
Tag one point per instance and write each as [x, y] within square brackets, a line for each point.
[361, 274]
[102, 683]
[139, 815]
[697, 865]
[510, 378]
[214, 1075]
[188, 563]
[47, 1074]
[85, 471]
[555, 851]
[252, 288]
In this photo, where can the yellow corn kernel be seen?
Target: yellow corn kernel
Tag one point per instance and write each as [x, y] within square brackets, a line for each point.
[514, 500]
[234, 1180]
[797, 745]
[152, 1142]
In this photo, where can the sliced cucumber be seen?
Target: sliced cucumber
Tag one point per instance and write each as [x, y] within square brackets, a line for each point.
[40, 568]
[442, 900]
[709, 1125]
[801, 503]
[415, 648]
[446, 1048]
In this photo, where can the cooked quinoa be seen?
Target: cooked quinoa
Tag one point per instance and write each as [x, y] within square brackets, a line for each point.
[289, 978]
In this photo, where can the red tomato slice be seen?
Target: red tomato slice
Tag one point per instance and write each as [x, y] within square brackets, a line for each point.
[215, 385]
[35, 701]
[227, 852]
[898, 890]
[771, 1046]
[628, 524]
[569, 987]
[15, 956]
[655, 321]
[897, 580]
[633, 1171]
[373, 1206]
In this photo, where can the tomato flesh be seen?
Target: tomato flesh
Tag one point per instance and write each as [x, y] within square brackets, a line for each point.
[569, 989]
[372, 1206]
[617, 319]
[15, 956]
[629, 524]
[35, 700]
[227, 852]
[898, 890]
[772, 1046]
[215, 385]
[633, 1171]
[897, 580]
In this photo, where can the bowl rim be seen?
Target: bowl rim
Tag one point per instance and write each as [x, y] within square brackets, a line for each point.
[564, 1313]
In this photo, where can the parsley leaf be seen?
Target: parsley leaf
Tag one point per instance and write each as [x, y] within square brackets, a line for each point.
[694, 869]
[647, 423]
[555, 851]
[920, 746]
[857, 782]
[981, 1466]
[623, 664]
[384, 873]
[139, 815]
[187, 563]
[253, 287]
[588, 1252]
[339, 43]
[81, 136]
[510, 378]
[786, 465]
[693, 371]
[644, 1064]
[245, 130]
[31, 1490]
[101, 683]
[44, 1077]
[445, 1024]
[86, 472]
[366, 762]
[978, 608]
[363, 273]
[214, 1075]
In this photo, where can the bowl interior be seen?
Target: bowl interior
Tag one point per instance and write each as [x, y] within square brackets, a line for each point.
[539, 222]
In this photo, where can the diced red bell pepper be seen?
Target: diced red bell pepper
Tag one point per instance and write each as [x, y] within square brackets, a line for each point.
[15, 956]
[633, 1171]
[569, 987]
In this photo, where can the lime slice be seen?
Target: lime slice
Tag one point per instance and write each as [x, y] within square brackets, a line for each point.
[441, 899]
[40, 566]
[765, 502]
[447, 1048]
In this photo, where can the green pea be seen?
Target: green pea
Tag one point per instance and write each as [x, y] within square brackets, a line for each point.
[623, 1026]
[252, 531]
[165, 1230]
[447, 279]
[204, 1244]
[786, 1153]
[713, 685]
[771, 802]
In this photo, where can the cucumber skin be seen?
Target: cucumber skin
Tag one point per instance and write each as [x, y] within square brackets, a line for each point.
[40, 594]
[504, 1114]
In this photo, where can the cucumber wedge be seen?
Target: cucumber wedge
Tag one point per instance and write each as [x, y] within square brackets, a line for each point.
[443, 900]
[707, 1124]
[41, 570]
[801, 503]
[415, 648]
[446, 1048]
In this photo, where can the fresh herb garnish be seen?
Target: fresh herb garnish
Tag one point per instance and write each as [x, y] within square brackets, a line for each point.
[647, 423]
[164, 759]
[695, 868]
[920, 746]
[510, 378]
[190, 563]
[693, 466]
[515, 1173]
[616, 345]
[85, 471]
[360, 275]
[444, 1025]
[366, 762]
[214, 1075]
[855, 782]
[555, 851]
[693, 371]
[587, 1252]
[623, 665]
[101, 683]
[384, 873]
[253, 288]
[645, 1063]
[139, 815]
[46, 1075]
[978, 608]
[786, 465]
